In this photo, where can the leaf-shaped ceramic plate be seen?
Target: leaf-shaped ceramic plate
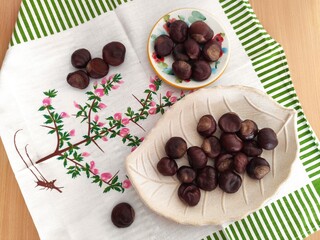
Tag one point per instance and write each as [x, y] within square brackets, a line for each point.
[163, 66]
[215, 207]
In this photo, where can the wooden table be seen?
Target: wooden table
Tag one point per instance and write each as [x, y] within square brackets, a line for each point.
[293, 23]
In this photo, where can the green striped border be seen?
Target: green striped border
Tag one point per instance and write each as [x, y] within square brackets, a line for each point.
[41, 18]
[296, 215]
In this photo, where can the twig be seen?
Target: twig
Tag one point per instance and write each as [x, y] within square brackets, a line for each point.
[56, 129]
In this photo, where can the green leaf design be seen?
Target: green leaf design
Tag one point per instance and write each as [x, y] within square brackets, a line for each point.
[166, 18]
[181, 17]
[191, 19]
[198, 15]
[153, 37]
[162, 65]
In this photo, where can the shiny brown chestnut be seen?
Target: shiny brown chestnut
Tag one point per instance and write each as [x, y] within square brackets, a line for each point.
[212, 51]
[122, 215]
[167, 166]
[257, 168]
[189, 194]
[229, 182]
[200, 32]
[224, 162]
[230, 122]
[114, 53]
[176, 147]
[178, 31]
[207, 126]
[186, 174]
[240, 162]
[182, 69]
[197, 158]
[78, 79]
[179, 53]
[97, 68]
[211, 146]
[201, 70]
[207, 178]
[192, 49]
[231, 142]
[163, 45]
[248, 130]
[267, 138]
[80, 58]
[251, 148]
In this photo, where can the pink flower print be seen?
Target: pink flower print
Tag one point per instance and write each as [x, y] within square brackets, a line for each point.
[182, 93]
[111, 77]
[93, 169]
[95, 83]
[134, 148]
[96, 118]
[76, 105]
[64, 115]
[102, 105]
[152, 103]
[152, 87]
[72, 133]
[46, 102]
[117, 116]
[141, 139]
[173, 99]
[153, 79]
[101, 124]
[121, 82]
[99, 92]
[125, 121]
[103, 80]
[124, 132]
[114, 87]
[105, 139]
[152, 111]
[106, 176]
[85, 154]
[126, 183]
[169, 94]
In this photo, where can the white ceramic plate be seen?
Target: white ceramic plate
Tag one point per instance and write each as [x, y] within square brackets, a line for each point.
[215, 207]
[163, 66]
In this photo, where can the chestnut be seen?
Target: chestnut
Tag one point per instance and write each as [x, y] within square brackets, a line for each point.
[114, 53]
[122, 215]
[176, 147]
[163, 46]
[257, 168]
[197, 158]
[240, 162]
[267, 138]
[78, 79]
[231, 142]
[179, 53]
[212, 51]
[200, 31]
[97, 68]
[80, 58]
[189, 194]
[206, 125]
[181, 69]
[201, 70]
[224, 162]
[192, 49]
[211, 146]
[248, 130]
[230, 122]
[229, 182]
[186, 174]
[167, 166]
[178, 31]
[207, 178]
[251, 148]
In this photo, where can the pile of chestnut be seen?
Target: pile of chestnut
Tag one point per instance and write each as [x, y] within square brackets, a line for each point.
[113, 54]
[192, 49]
[237, 151]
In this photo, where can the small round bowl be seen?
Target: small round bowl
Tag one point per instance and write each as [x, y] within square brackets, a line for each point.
[163, 66]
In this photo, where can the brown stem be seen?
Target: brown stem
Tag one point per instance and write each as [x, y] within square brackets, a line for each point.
[138, 100]
[56, 129]
[89, 117]
[95, 143]
[47, 127]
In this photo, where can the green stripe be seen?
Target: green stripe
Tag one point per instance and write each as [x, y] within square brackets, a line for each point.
[260, 225]
[237, 12]
[286, 98]
[253, 226]
[314, 213]
[307, 147]
[254, 30]
[233, 7]
[317, 165]
[215, 236]
[11, 42]
[119, 2]
[78, 13]
[228, 3]
[285, 84]
[267, 64]
[307, 139]
[113, 4]
[315, 199]
[247, 229]
[241, 24]
[239, 230]
[268, 50]
[51, 16]
[287, 217]
[250, 54]
[316, 158]
[26, 24]
[309, 153]
[84, 11]
[65, 14]
[28, 12]
[269, 56]
[245, 29]
[304, 133]
[274, 222]
[102, 6]
[295, 219]
[38, 18]
[96, 7]
[71, 13]
[281, 65]
[264, 219]
[291, 103]
[47, 23]
[284, 92]
[303, 205]
[240, 17]
[233, 231]
[23, 35]
[90, 9]
[304, 227]
[283, 226]
[58, 15]
[109, 5]
[16, 37]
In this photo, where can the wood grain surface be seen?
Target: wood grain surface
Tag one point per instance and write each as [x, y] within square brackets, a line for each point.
[293, 23]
